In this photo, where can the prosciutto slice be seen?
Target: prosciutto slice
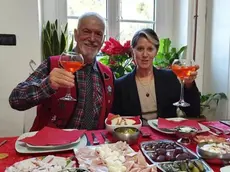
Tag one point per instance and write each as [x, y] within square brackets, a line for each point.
[117, 157]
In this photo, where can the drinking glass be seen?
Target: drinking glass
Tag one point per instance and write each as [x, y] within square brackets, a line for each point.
[71, 62]
[182, 68]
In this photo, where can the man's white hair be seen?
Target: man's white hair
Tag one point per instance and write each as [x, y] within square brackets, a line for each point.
[91, 14]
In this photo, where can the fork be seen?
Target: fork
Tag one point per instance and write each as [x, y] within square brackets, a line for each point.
[217, 131]
[106, 141]
[225, 132]
[95, 140]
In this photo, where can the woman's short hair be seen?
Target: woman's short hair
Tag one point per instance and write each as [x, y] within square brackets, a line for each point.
[147, 33]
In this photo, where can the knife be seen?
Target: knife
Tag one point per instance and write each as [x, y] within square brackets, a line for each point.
[3, 142]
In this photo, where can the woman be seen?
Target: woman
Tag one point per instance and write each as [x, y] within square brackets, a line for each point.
[151, 92]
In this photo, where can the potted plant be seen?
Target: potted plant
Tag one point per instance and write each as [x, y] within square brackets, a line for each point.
[209, 103]
[117, 57]
[167, 54]
[55, 39]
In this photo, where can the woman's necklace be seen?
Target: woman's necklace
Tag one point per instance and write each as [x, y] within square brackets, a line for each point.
[144, 85]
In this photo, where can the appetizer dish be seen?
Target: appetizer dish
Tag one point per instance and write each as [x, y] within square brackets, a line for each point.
[219, 148]
[185, 166]
[166, 150]
[117, 157]
[42, 164]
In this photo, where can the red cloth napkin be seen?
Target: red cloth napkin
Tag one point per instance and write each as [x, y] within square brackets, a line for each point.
[112, 116]
[53, 136]
[169, 124]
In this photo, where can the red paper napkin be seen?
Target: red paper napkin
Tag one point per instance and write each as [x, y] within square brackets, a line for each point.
[217, 124]
[112, 116]
[169, 124]
[53, 136]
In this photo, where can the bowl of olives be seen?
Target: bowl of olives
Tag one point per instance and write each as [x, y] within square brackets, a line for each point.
[165, 151]
[127, 134]
[187, 165]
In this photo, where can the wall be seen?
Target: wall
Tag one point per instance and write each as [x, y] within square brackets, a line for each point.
[217, 54]
[180, 28]
[54, 9]
[180, 23]
[200, 41]
[164, 18]
[21, 18]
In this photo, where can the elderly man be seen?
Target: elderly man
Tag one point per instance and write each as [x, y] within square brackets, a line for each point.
[92, 85]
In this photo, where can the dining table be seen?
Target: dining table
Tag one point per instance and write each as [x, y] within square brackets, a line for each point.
[14, 156]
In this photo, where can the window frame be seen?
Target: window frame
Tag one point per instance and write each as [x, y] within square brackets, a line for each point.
[113, 18]
[57, 9]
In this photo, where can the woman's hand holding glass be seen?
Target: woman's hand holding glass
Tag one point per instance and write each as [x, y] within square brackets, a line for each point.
[186, 71]
[188, 81]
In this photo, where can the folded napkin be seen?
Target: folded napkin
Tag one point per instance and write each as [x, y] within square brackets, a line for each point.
[217, 125]
[112, 116]
[170, 124]
[53, 136]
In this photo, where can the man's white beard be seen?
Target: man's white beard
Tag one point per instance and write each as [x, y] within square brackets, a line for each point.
[90, 57]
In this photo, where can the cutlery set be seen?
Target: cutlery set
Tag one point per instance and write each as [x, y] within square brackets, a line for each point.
[105, 138]
[107, 141]
[96, 141]
[218, 131]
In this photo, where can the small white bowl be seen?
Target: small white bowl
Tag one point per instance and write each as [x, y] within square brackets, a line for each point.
[111, 127]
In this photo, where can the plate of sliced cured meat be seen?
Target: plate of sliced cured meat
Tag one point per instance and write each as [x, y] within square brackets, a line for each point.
[114, 157]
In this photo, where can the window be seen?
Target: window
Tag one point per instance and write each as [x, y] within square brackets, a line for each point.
[123, 17]
[134, 15]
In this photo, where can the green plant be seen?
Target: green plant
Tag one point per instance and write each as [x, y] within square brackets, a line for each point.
[207, 98]
[117, 57]
[166, 54]
[55, 39]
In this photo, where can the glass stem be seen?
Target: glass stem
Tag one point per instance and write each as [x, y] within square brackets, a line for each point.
[68, 93]
[182, 90]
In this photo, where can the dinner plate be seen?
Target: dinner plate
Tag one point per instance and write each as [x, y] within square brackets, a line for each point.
[52, 146]
[115, 155]
[22, 147]
[130, 149]
[44, 163]
[30, 134]
[154, 122]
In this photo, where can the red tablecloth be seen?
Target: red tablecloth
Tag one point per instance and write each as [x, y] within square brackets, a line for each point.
[14, 156]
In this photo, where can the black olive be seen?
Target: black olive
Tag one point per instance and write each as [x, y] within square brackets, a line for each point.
[161, 151]
[160, 158]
